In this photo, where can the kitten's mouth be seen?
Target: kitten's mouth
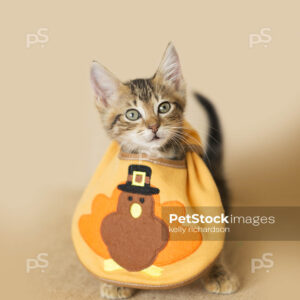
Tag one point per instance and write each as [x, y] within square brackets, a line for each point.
[155, 138]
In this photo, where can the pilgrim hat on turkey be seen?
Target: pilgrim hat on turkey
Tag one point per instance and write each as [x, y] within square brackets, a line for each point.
[138, 181]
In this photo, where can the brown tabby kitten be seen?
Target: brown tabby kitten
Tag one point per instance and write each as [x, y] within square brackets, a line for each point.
[146, 116]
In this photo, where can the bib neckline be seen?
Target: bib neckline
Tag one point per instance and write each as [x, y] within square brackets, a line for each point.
[180, 164]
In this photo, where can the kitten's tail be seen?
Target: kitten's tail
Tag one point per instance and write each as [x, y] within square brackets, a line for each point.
[214, 148]
[213, 157]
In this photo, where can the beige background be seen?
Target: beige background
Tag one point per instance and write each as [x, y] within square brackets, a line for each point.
[52, 140]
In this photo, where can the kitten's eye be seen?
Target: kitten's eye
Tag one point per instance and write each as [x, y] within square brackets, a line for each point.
[132, 114]
[142, 200]
[164, 107]
[130, 198]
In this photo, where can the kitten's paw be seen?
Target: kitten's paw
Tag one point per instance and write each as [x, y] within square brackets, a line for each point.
[220, 281]
[109, 291]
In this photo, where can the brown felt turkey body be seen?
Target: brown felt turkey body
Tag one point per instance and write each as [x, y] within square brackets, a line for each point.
[134, 242]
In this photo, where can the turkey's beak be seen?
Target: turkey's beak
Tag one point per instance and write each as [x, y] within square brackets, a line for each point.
[135, 210]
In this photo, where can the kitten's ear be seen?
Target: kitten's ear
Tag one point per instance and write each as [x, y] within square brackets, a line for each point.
[169, 70]
[105, 85]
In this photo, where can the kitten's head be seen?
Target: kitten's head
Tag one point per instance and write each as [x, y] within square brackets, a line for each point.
[142, 114]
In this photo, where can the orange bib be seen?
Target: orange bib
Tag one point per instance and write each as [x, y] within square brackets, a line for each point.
[127, 228]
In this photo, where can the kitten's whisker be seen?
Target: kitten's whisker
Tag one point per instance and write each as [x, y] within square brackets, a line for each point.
[204, 153]
[182, 137]
[173, 138]
[202, 132]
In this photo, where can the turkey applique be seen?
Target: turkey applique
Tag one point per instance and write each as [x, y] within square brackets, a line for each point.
[127, 229]
[133, 234]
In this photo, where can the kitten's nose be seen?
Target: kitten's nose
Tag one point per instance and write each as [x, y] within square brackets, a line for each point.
[154, 127]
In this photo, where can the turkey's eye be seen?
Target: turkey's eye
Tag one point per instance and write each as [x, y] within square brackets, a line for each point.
[130, 198]
[132, 114]
[142, 200]
[164, 107]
